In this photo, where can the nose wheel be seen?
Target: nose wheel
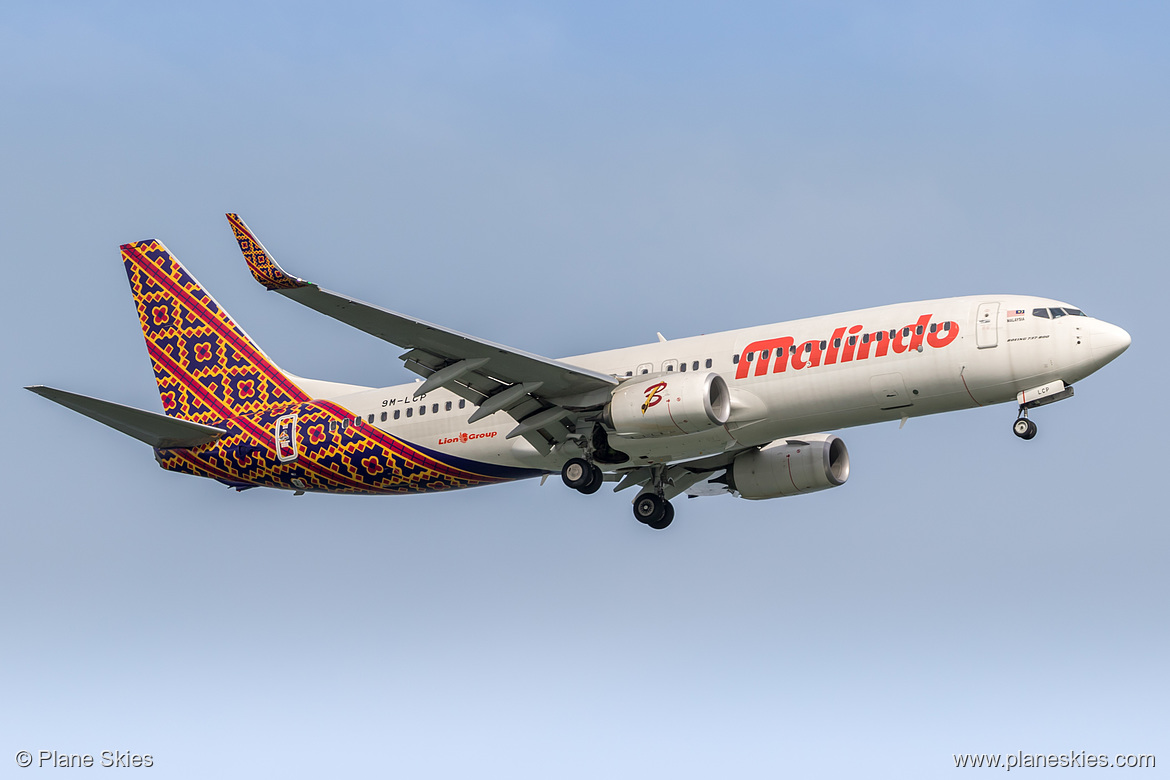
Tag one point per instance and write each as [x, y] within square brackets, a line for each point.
[1024, 428]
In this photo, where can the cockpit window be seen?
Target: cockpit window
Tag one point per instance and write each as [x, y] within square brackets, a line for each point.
[1056, 312]
[1040, 313]
[1074, 312]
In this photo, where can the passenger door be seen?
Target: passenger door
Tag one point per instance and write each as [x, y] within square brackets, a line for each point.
[987, 325]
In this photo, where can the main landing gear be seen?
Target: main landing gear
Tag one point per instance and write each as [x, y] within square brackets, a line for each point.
[1023, 427]
[650, 507]
[582, 476]
[653, 510]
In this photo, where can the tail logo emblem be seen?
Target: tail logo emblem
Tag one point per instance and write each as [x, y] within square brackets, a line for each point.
[286, 438]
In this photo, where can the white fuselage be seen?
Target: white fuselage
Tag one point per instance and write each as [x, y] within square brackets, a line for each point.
[798, 377]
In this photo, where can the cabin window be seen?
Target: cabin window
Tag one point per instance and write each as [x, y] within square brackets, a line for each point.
[422, 410]
[808, 346]
[947, 326]
[836, 343]
[397, 413]
[462, 403]
[447, 408]
[881, 334]
[918, 330]
[735, 359]
[852, 340]
[383, 417]
[824, 344]
[764, 355]
[371, 418]
[865, 339]
[682, 366]
[792, 350]
[751, 356]
[629, 373]
[708, 362]
[410, 411]
[435, 408]
[905, 332]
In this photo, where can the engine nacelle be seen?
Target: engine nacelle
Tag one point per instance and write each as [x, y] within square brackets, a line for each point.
[791, 467]
[669, 403]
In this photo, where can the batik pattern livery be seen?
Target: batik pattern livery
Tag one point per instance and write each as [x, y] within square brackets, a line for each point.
[207, 368]
[260, 263]
[334, 454]
[209, 371]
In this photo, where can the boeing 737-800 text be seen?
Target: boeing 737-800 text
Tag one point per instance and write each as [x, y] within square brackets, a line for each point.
[738, 412]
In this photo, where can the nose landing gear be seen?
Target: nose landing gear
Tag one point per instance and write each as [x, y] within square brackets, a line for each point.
[1043, 395]
[1023, 427]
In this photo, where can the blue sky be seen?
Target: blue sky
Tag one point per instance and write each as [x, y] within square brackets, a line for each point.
[566, 178]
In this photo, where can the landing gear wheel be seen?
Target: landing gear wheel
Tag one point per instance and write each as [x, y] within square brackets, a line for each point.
[1024, 428]
[595, 484]
[666, 518]
[652, 509]
[577, 473]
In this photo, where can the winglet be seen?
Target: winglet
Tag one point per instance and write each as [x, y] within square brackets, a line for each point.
[260, 262]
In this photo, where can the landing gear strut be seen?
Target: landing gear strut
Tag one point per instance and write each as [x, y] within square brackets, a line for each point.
[1023, 427]
[582, 476]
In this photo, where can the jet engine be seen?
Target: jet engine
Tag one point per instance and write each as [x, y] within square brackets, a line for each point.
[789, 467]
[669, 404]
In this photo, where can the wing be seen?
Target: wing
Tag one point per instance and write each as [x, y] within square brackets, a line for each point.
[546, 397]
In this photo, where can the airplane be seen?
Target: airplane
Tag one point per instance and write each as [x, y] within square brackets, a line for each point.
[743, 412]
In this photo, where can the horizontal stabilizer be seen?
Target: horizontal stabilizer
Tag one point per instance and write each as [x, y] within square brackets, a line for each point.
[155, 429]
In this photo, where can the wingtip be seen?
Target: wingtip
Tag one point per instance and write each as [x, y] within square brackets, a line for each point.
[263, 266]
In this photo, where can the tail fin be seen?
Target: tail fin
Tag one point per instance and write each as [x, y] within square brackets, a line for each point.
[206, 367]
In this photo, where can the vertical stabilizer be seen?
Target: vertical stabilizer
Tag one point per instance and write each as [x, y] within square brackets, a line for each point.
[206, 367]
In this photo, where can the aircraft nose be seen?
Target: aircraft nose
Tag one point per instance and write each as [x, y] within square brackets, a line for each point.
[1108, 341]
